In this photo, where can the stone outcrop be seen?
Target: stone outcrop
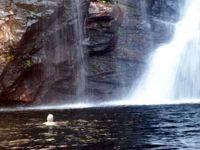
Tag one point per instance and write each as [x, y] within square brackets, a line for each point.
[37, 50]
[38, 47]
[139, 27]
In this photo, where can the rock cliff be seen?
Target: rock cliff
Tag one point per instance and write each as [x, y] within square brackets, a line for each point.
[120, 45]
[38, 52]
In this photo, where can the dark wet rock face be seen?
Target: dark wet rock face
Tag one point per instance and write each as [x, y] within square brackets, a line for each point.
[162, 15]
[37, 49]
[102, 27]
[138, 27]
[166, 10]
[21, 29]
[38, 52]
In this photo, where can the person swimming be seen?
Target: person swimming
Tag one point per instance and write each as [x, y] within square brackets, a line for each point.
[50, 121]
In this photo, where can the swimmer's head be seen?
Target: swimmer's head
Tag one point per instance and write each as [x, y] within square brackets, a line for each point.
[50, 118]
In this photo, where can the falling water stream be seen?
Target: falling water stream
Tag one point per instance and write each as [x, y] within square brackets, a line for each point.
[173, 70]
[81, 69]
[172, 74]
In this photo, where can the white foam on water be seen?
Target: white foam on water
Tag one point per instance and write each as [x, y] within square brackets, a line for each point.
[48, 107]
[142, 102]
[115, 103]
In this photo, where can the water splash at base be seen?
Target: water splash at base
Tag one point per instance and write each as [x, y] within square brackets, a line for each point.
[142, 102]
[173, 70]
[114, 103]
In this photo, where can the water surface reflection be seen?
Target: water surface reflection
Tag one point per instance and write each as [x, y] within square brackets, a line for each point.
[139, 127]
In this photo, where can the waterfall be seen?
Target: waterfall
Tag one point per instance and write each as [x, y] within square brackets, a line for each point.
[173, 69]
[78, 30]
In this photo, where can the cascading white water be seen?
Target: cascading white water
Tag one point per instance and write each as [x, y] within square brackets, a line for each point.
[81, 70]
[174, 68]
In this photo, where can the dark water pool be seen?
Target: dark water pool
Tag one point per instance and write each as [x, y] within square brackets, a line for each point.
[126, 128]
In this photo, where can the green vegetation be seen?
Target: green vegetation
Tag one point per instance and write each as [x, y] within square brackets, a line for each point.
[28, 63]
[104, 1]
[109, 1]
